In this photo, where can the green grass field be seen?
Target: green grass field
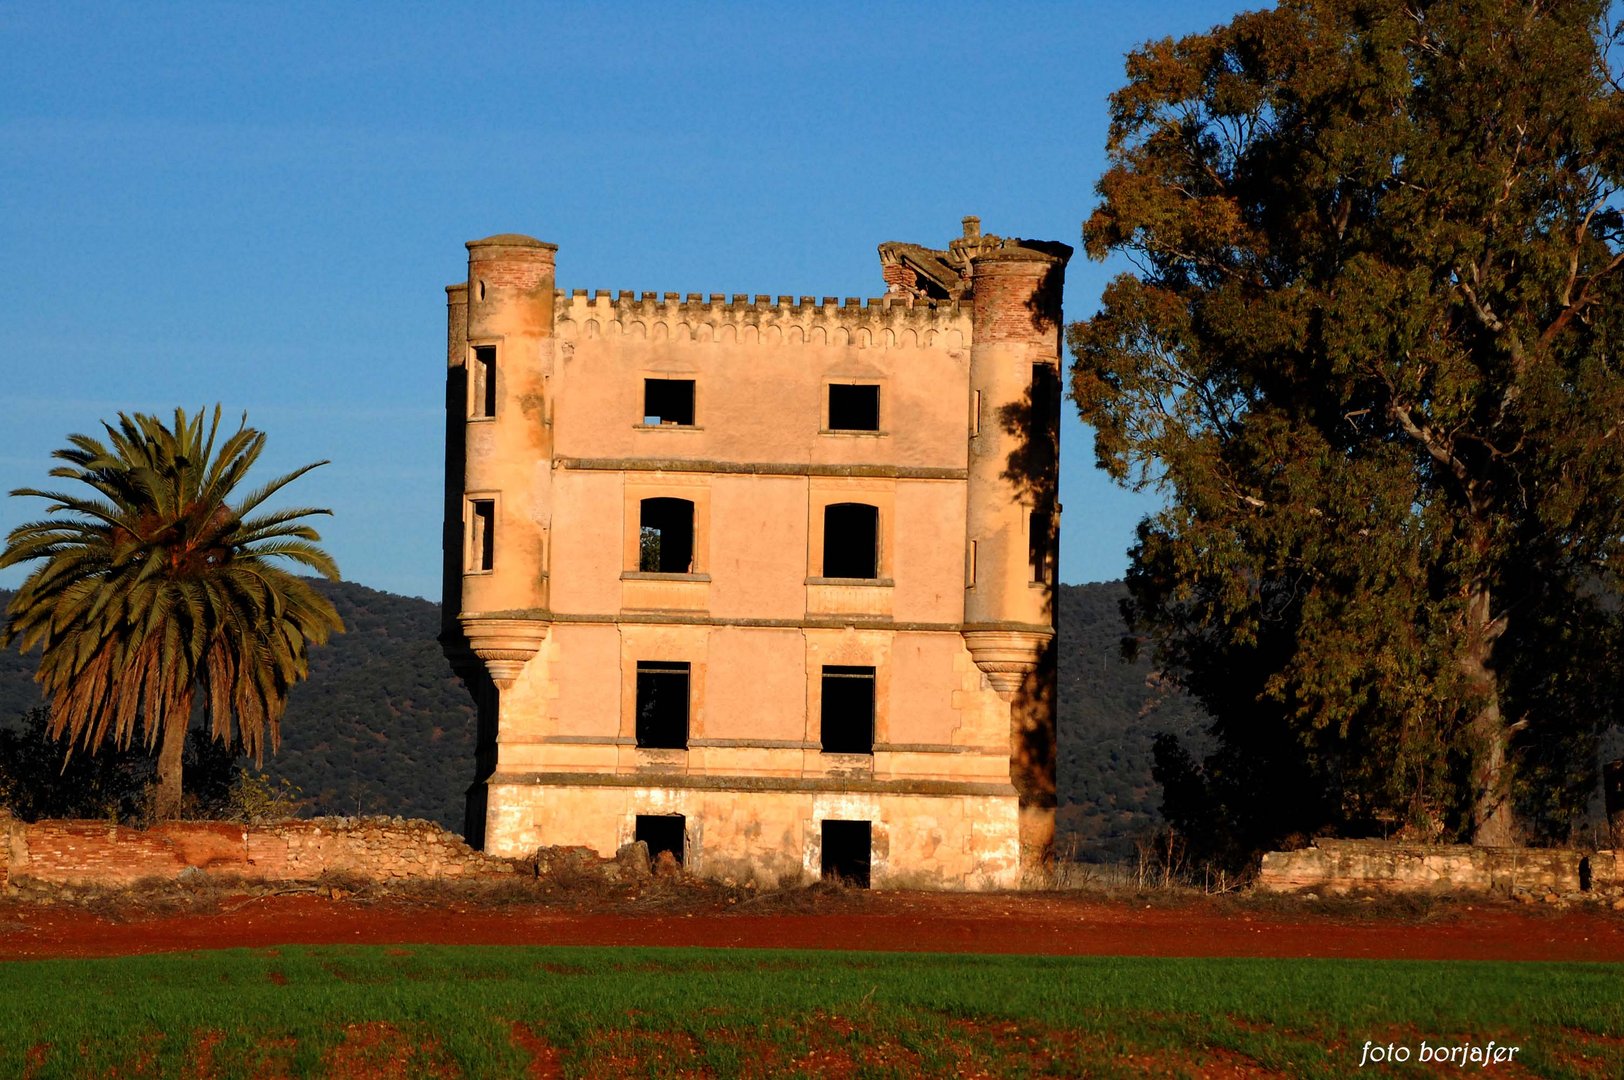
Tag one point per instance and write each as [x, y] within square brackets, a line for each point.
[495, 1012]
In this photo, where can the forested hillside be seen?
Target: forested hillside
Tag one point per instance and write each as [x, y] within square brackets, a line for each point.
[1110, 712]
[382, 726]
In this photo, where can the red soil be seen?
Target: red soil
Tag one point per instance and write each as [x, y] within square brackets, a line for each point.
[1046, 924]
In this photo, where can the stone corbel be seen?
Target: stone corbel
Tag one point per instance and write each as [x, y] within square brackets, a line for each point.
[504, 645]
[1006, 656]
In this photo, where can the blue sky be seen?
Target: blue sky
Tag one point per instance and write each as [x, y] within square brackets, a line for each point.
[259, 205]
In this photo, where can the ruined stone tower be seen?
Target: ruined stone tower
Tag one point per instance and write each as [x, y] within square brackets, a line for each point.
[766, 582]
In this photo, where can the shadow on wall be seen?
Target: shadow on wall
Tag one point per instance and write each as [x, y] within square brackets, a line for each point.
[1033, 471]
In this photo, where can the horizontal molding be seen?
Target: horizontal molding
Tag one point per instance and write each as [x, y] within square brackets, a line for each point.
[756, 468]
[792, 785]
[644, 575]
[752, 744]
[770, 744]
[1043, 629]
[832, 622]
[940, 748]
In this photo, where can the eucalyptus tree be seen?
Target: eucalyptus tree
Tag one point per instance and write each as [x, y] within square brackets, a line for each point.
[157, 587]
[1369, 351]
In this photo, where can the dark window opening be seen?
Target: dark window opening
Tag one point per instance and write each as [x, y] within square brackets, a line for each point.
[665, 541]
[846, 848]
[854, 408]
[482, 534]
[1037, 547]
[847, 720]
[668, 401]
[662, 705]
[1045, 396]
[851, 541]
[483, 393]
[1584, 875]
[661, 832]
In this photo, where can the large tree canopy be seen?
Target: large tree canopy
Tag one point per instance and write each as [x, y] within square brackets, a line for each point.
[154, 590]
[1370, 352]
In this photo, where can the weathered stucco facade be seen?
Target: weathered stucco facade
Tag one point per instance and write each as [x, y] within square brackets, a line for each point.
[767, 581]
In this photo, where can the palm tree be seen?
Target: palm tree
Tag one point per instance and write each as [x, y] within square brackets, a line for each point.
[157, 592]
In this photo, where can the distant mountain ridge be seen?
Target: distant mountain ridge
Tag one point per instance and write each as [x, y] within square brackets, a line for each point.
[383, 727]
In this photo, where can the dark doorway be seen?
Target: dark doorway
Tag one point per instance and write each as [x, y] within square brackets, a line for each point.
[851, 541]
[661, 832]
[846, 848]
[662, 705]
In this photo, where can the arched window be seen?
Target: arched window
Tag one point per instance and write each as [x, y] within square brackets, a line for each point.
[851, 541]
[665, 543]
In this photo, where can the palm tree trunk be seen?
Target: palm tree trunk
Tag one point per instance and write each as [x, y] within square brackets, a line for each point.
[166, 799]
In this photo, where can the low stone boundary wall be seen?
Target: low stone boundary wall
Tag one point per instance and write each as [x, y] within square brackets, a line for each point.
[1341, 866]
[97, 853]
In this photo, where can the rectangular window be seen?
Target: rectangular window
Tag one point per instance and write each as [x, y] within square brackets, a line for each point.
[481, 555]
[661, 832]
[970, 566]
[482, 383]
[975, 412]
[1037, 546]
[854, 408]
[847, 719]
[1045, 396]
[668, 402]
[662, 704]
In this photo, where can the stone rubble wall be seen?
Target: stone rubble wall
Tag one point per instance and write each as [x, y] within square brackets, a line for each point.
[98, 853]
[1342, 866]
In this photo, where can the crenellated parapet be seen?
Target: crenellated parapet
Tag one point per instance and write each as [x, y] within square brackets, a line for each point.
[886, 321]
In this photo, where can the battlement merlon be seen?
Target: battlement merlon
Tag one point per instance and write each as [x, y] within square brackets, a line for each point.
[716, 317]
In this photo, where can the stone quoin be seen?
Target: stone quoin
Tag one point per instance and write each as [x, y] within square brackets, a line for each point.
[767, 582]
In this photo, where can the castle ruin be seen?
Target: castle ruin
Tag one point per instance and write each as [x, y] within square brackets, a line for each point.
[767, 582]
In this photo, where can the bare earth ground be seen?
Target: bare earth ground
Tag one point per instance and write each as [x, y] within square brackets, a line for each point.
[1059, 924]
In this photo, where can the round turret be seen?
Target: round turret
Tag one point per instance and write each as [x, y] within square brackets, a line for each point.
[508, 448]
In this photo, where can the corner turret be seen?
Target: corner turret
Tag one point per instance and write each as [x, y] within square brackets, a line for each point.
[1012, 527]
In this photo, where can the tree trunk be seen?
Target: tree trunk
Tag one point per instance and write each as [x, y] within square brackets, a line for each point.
[1612, 786]
[166, 798]
[1493, 820]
